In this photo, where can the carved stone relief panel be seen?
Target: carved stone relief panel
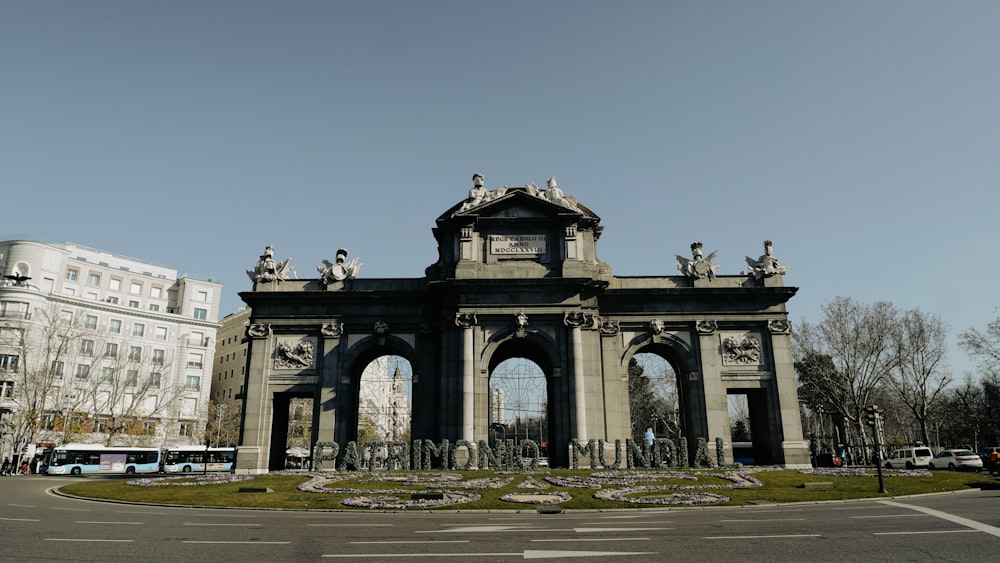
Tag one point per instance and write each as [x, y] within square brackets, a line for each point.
[742, 349]
[295, 353]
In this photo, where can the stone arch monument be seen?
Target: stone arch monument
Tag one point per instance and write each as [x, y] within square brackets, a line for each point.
[518, 276]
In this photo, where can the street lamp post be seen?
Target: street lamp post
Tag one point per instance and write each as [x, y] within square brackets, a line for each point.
[220, 413]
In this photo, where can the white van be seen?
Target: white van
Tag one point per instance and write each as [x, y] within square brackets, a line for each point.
[909, 457]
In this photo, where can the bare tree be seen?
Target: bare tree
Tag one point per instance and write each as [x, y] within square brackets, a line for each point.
[858, 339]
[46, 341]
[919, 378]
[222, 429]
[131, 389]
[983, 345]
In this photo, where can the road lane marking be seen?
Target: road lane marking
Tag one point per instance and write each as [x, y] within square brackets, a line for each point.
[963, 531]
[240, 542]
[22, 505]
[411, 541]
[763, 520]
[651, 522]
[615, 530]
[353, 525]
[88, 540]
[72, 509]
[486, 530]
[21, 519]
[892, 516]
[592, 539]
[762, 537]
[992, 530]
[216, 524]
[527, 554]
[114, 523]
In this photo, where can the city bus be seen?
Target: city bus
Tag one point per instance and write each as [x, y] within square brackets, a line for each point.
[75, 459]
[185, 459]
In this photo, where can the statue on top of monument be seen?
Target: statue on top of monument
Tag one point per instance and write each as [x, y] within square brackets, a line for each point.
[339, 270]
[479, 195]
[556, 195]
[268, 269]
[767, 265]
[697, 267]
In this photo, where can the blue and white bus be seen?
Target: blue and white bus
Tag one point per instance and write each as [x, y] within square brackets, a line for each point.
[185, 459]
[76, 459]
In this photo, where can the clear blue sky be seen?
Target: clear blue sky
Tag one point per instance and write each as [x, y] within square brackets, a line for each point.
[860, 136]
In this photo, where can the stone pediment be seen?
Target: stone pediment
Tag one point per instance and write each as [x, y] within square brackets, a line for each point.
[518, 202]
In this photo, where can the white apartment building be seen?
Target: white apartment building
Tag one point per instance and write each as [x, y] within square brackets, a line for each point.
[97, 347]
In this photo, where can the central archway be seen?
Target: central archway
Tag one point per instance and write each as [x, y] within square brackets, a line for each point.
[520, 392]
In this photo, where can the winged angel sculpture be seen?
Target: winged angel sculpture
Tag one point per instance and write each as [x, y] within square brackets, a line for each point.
[696, 266]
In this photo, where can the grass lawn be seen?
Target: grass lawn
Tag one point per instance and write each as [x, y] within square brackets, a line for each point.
[646, 488]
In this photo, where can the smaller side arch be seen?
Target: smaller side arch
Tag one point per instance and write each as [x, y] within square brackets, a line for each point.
[353, 363]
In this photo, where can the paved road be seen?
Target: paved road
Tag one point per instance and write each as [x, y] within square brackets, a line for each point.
[36, 525]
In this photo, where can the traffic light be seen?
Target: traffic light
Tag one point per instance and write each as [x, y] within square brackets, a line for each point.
[872, 415]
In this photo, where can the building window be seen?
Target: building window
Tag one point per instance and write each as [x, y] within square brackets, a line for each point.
[132, 377]
[186, 429]
[133, 304]
[94, 279]
[9, 362]
[87, 347]
[149, 428]
[156, 292]
[200, 314]
[135, 288]
[193, 383]
[158, 356]
[82, 371]
[102, 425]
[111, 350]
[194, 361]
[90, 322]
[115, 326]
[57, 369]
[135, 353]
[115, 284]
[107, 374]
[14, 309]
[161, 333]
[72, 274]
[201, 296]
[112, 300]
[138, 329]
[6, 389]
[154, 380]
[154, 307]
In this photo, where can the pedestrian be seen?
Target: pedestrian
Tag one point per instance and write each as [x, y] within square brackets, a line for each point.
[5, 468]
[994, 458]
[649, 437]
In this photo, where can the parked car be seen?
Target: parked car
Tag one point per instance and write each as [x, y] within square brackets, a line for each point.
[956, 459]
[909, 457]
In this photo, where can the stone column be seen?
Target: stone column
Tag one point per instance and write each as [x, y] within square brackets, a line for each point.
[716, 404]
[325, 416]
[575, 321]
[794, 449]
[580, 397]
[467, 321]
[254, 449]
